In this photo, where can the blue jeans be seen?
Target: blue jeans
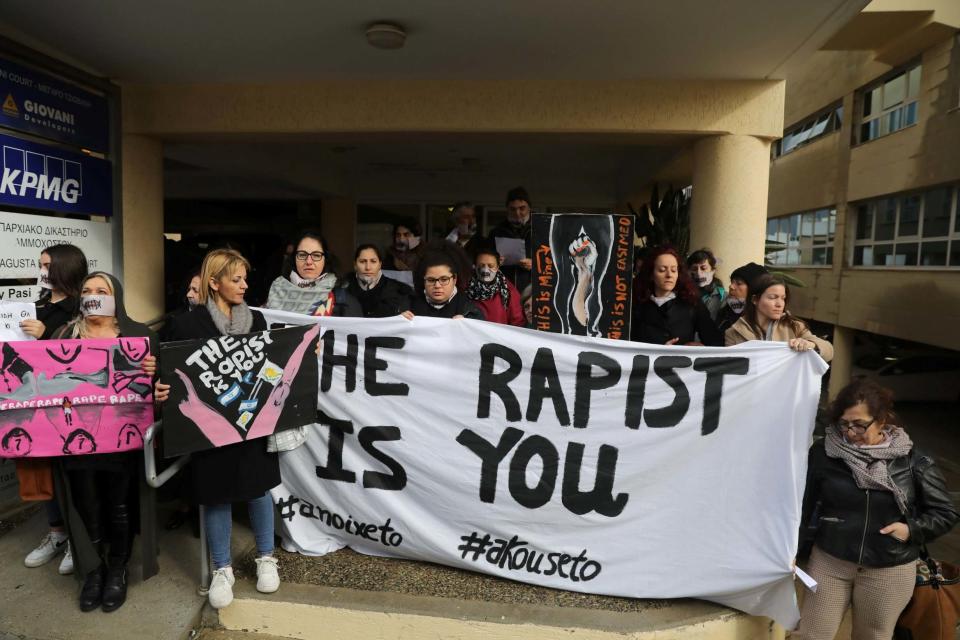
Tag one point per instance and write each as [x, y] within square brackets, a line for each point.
[218, 520]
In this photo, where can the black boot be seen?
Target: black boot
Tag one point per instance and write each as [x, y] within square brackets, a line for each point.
[115, 589]
[92, 592]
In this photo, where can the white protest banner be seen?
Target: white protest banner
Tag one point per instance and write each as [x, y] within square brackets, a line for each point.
[11, 314]
[24, 236]
[591, 465]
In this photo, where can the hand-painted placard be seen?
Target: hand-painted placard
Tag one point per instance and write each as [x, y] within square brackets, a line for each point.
[233, 388]
[73, 397]
[38, 176]
[44, 105]
[583, 274]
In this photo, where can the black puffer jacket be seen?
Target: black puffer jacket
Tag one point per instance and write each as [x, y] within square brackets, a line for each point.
[848, 519]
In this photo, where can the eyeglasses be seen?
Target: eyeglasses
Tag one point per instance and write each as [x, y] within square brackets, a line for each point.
[856, 427]
[444, 280]
[302, 256]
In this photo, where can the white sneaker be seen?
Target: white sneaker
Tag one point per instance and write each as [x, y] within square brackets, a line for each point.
[268, 580]
[52, 544]
[66, 564]
[221, 588]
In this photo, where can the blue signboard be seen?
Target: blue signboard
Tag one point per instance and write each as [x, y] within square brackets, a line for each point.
[38, 176]
[41, 104]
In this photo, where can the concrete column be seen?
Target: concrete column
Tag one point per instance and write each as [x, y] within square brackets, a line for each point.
[729, 209]
[143, 226]
[842, 363]
[338, 222]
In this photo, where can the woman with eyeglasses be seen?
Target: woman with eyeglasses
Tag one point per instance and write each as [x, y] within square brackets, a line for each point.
[871, 500]
[766, 318]
[440, 281]
[310, 285]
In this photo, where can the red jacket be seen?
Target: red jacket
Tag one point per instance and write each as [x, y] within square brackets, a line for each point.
[493, 309]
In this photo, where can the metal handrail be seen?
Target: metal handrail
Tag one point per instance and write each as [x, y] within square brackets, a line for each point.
[150, 458]
[156, 480]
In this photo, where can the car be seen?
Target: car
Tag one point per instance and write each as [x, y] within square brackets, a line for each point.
[927, 377]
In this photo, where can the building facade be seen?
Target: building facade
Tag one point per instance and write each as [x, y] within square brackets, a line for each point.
[864, 183]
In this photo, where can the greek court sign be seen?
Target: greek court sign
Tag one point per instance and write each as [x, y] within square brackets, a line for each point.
[591, 465]
[23, 237]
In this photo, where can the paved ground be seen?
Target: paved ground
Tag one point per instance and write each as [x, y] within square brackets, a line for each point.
[41, 604]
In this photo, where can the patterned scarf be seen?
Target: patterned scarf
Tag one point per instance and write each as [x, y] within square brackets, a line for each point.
[869, 466]
[480, 290]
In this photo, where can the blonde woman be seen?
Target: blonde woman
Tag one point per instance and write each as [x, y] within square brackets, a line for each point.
[98, 491]
[242, 472]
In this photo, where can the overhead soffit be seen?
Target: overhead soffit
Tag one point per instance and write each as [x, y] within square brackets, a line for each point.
[182, 41]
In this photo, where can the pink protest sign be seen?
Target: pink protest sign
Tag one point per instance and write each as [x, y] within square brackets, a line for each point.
[73, 397]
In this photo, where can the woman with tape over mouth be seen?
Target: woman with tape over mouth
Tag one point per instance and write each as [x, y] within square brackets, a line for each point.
[378, 295]
[240, 472]
[63, 268]
[440, 281]
[703, 269]
[766, 318]
[495, 296]
[98, 492]
[668, 309]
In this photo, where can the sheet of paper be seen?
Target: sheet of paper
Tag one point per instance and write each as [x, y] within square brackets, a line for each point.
[512, 250]
[406, 277]
[807, 581]
[11, 313]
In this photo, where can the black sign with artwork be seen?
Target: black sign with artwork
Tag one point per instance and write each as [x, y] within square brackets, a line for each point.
[583, 274]
[233, 388]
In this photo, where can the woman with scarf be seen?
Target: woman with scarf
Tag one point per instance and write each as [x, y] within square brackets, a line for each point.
[703, 269]
[668, 309]
[311, 285]
[492, 293]
[871, 500]
[765, 317]
[379, 296]
[63, 268]
[736, 300]
[241, 472]
[439, 282]
[98, 492]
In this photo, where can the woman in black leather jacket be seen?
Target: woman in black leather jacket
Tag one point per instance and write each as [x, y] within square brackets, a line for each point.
[872, 500]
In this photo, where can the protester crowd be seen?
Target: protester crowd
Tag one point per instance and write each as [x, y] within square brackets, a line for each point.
[871, 499]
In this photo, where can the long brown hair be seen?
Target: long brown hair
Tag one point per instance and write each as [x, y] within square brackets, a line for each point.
[757, 288]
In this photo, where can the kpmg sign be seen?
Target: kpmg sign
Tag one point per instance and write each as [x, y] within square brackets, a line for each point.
[43, 105]
[38, 176]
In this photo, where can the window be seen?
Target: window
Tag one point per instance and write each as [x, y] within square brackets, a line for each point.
[807, 238]
[890, 105]
[810, 129]
[909, 230]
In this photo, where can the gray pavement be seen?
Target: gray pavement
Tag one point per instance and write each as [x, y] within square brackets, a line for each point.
[41, 604]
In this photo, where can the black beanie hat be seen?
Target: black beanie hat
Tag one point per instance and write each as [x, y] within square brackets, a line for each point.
[748, 272]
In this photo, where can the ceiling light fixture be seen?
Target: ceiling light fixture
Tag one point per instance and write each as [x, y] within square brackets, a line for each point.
[386, 35]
